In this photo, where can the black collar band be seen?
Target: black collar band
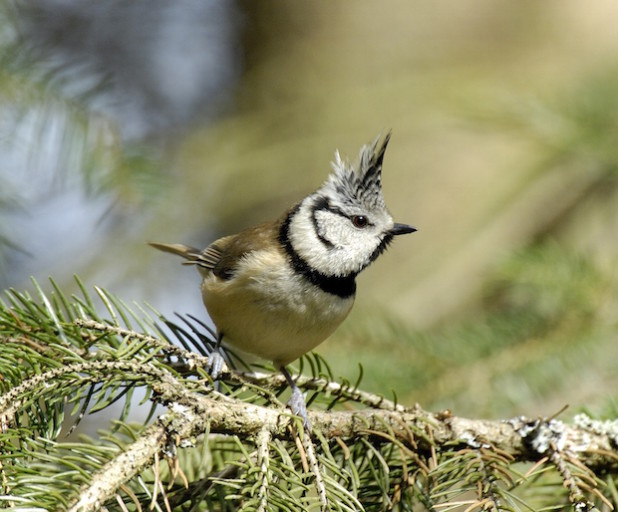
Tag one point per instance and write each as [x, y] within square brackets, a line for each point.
[343, 287]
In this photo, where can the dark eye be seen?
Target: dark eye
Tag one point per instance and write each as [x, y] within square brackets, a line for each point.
[360, 221]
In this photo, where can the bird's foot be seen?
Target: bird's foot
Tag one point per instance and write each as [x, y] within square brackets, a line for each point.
[298, 406]
[215, 364]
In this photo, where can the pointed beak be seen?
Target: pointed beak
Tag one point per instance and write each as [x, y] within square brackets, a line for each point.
[401, 229]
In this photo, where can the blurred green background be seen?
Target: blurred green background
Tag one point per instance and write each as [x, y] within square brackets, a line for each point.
[131, 121]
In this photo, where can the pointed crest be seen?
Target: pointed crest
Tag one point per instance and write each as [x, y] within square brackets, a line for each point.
[360, 182]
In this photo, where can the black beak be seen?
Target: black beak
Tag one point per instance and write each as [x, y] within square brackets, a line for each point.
[401, 229]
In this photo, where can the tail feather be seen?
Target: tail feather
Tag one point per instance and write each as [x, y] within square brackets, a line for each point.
[189, 253]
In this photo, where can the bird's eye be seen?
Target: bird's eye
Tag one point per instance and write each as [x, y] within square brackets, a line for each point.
[360, 221]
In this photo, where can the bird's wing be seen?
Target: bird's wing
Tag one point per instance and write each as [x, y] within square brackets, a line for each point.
[222, 256]
[230, 250]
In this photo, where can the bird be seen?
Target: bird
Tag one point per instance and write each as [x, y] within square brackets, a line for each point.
[279, 289]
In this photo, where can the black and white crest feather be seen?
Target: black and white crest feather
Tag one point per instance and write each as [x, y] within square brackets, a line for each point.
[361, 182]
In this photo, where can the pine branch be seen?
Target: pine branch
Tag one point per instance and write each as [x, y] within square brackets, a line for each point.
[192, 414]
[160, 439]
[268, 380]
[516, 437]
[248, 450]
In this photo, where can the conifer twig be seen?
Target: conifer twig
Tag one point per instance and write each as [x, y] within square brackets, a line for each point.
[198, 409]
[230, 416]
[258, 378]
[263, 459]
[179, 423]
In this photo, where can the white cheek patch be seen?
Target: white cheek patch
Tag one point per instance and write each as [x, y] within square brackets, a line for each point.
[333, 228]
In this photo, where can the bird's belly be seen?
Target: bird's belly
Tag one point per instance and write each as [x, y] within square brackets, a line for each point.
[273, 313]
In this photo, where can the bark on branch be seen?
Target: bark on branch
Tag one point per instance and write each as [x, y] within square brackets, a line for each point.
[191, 414]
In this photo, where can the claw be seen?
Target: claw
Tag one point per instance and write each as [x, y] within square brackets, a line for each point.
[215, 364]
[296, 403]
[298, 406]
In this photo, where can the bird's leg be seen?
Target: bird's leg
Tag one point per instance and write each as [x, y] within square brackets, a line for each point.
[215, 360]
[297, 400]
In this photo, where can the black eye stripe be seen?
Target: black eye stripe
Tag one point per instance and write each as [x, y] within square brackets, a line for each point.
[324, 204]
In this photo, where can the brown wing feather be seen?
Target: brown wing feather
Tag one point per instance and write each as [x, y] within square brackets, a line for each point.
[235, 247]
[222, 256]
